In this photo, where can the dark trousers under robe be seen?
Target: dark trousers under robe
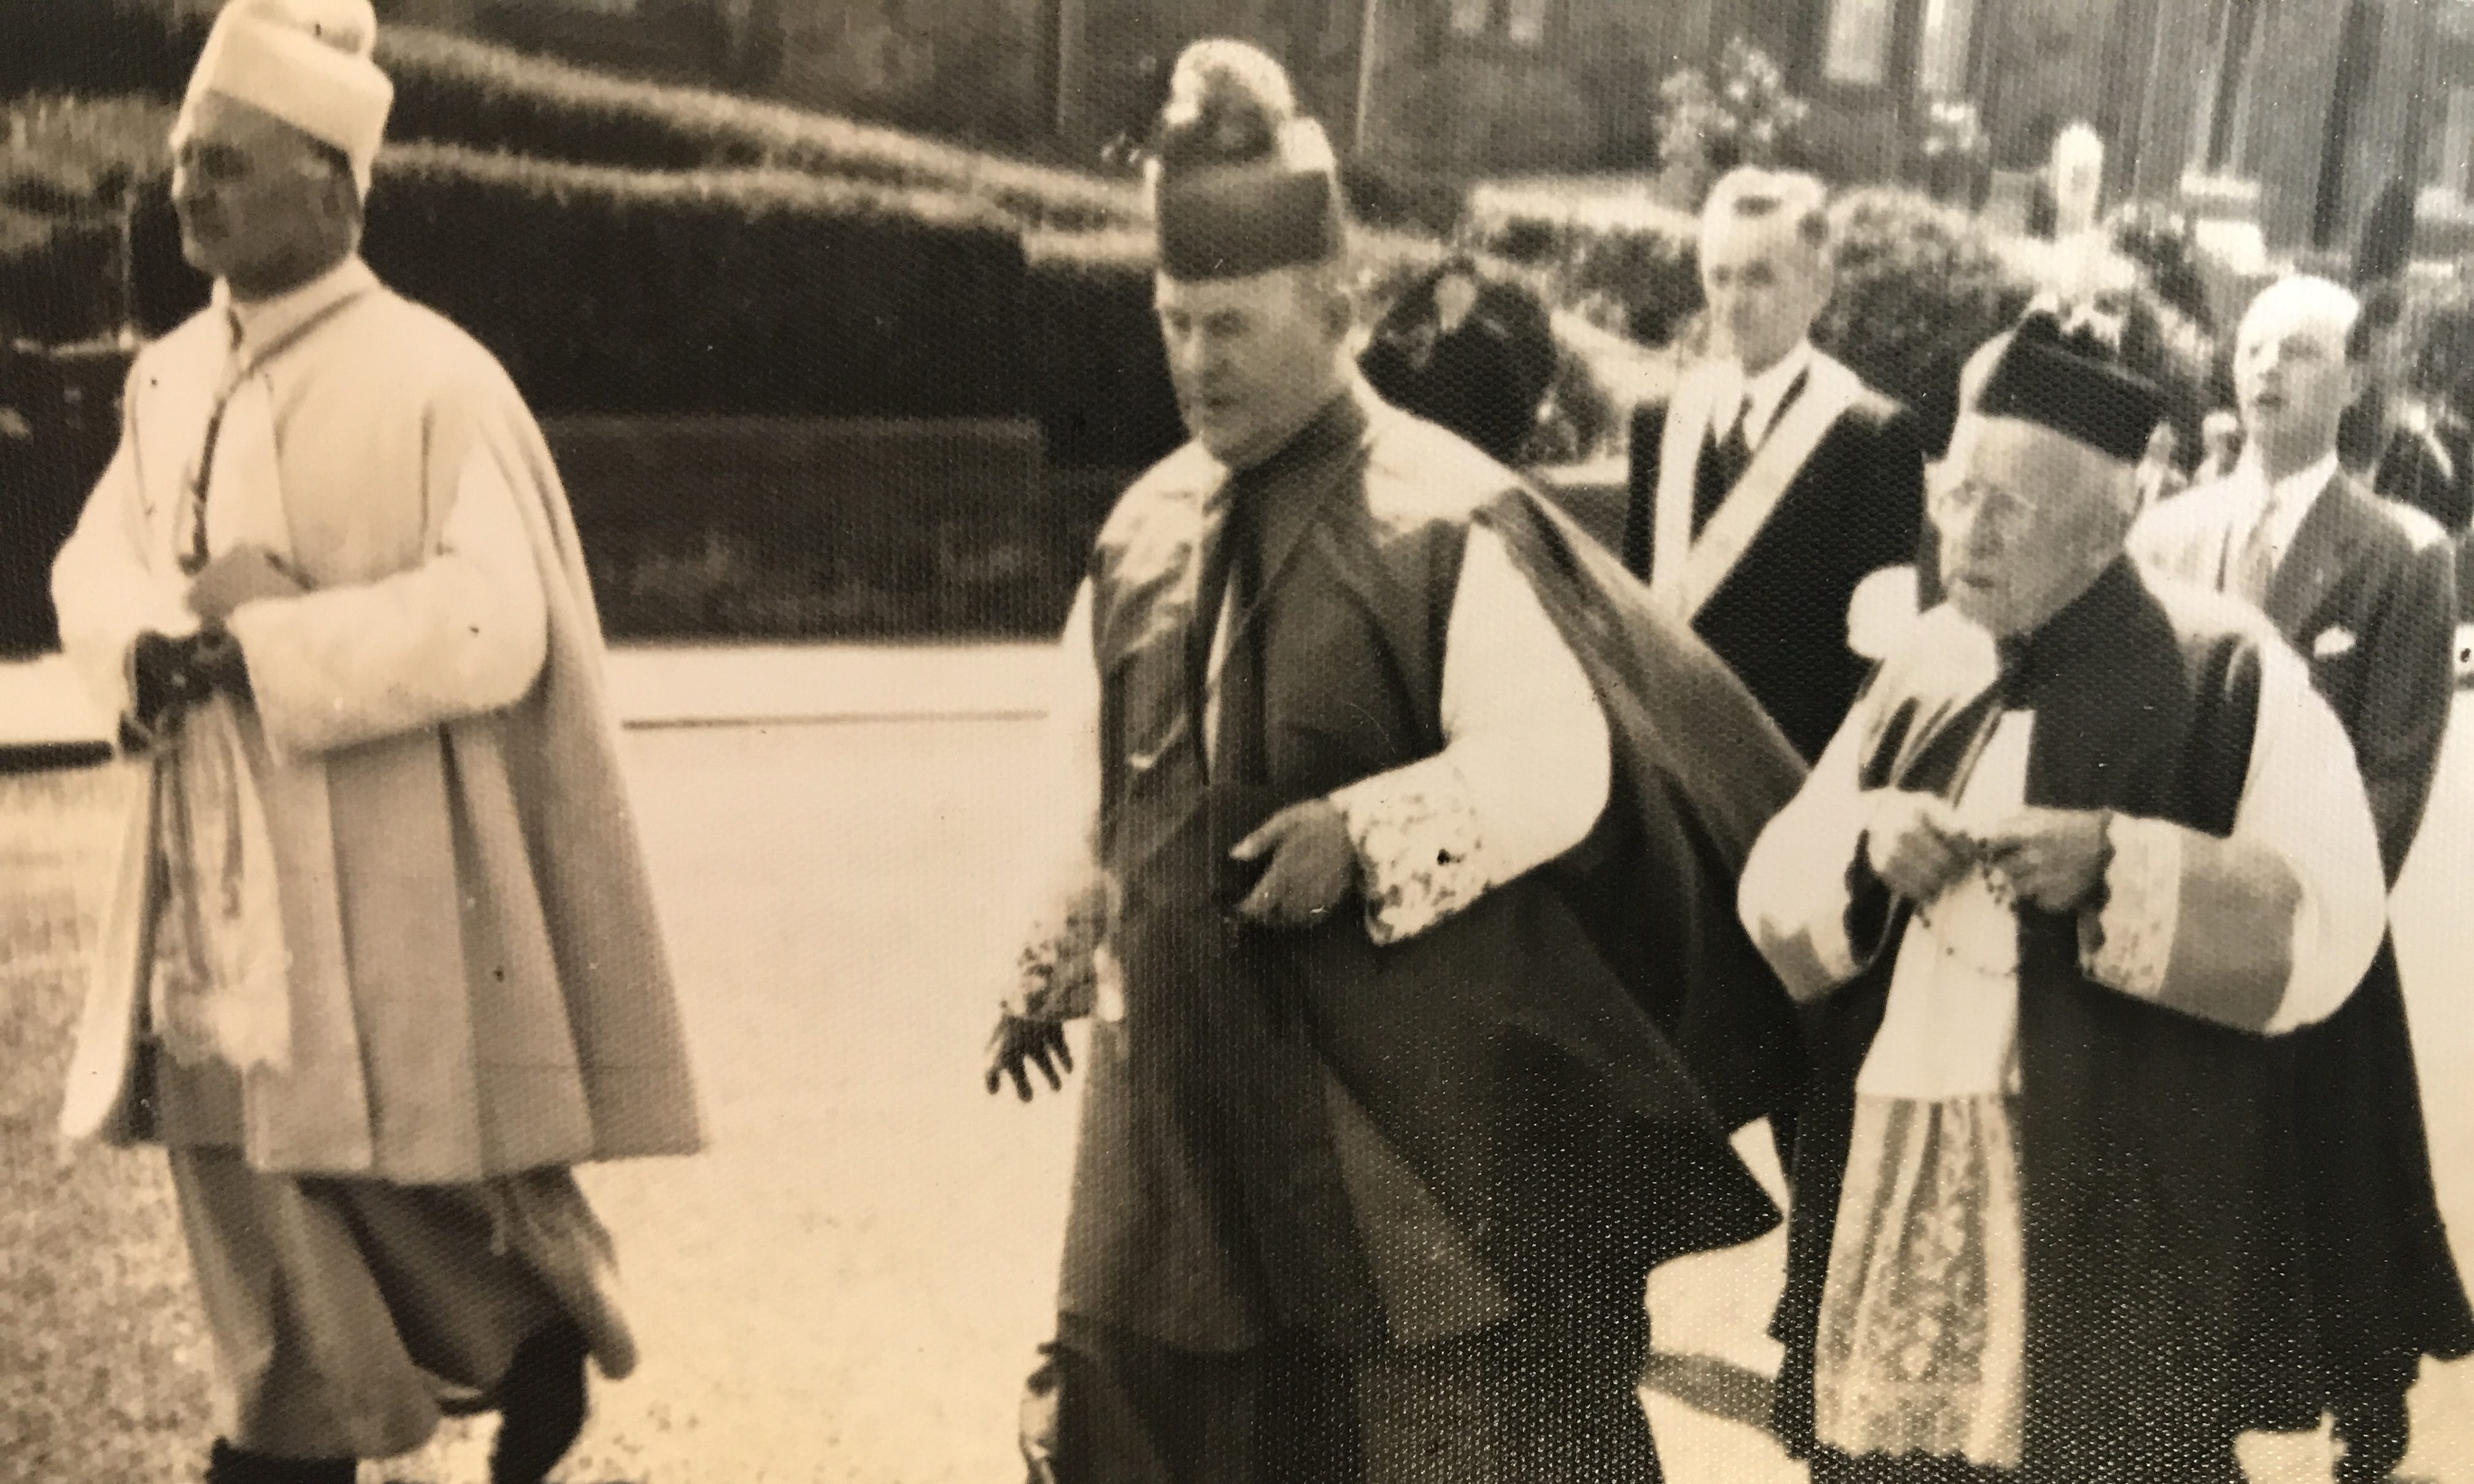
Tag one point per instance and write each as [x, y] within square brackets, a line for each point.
[1553, 1399]
[344, 1311]
[2191, 1464]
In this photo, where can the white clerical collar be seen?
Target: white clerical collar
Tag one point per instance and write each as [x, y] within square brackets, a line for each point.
[267, 321]
[1763, 393]
[2287, 501]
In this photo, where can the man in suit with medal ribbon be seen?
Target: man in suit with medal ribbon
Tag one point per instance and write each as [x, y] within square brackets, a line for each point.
[381, 964]
[1773, 481]
[1394, 848]
[2061, 899]
[2364, 589]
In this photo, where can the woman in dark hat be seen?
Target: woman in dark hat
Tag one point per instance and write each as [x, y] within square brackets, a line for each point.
[1470, 354]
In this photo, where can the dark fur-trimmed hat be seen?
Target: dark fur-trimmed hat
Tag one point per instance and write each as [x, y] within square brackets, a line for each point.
[1241, 183]
[2069, 382]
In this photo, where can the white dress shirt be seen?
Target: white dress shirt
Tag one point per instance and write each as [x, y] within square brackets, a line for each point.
[1758, 399]
[2285, 502]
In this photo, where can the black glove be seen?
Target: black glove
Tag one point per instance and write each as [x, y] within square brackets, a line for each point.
[216, 660]
[1019, 1040]
[159, 680]
[169, 675]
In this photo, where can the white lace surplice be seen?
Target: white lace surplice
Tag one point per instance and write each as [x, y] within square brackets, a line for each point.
[1923, 1312]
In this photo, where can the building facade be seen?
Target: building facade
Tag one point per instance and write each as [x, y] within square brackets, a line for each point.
[2289, 114]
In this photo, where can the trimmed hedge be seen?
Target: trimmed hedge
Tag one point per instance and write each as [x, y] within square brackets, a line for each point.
[65, 421]
[57, 278]
[1100, 381]
[612, 292]
[452, 90]
[1920, 288]
[1386, 195]
[795, 527]
[97, 47]
[455, 90]
[1642, 281]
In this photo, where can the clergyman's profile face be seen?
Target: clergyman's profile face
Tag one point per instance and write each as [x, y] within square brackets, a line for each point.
[1251, 357]
[251, 191]
[2024, 515]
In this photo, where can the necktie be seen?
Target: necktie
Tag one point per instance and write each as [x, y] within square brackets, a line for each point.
[194, 551]
[1723, 461]
[2252, 567]
[1238, 750]
[1226, 589]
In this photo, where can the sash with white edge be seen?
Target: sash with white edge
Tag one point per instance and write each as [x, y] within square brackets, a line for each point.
[1686, 571]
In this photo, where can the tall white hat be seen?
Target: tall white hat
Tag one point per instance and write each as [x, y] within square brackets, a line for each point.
[307, 62]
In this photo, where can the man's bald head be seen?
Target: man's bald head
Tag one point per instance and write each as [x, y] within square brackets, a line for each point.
[2303, 301]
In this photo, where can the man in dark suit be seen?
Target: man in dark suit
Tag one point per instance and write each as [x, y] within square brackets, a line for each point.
[2364, 587]
[1773, 481]
[2410, 448]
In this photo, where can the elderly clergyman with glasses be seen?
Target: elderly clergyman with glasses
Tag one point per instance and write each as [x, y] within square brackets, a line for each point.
[2087, 850]
[382, 964]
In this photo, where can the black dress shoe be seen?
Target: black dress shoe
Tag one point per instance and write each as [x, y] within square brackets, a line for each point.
[2374, 1431]
[540, 1405]
[230, 1465]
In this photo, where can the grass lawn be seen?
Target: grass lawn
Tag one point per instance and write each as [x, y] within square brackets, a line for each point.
[104, 1359]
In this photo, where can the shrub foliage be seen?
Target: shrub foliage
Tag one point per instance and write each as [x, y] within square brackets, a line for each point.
[609, 291]
[1100, 385]
[451, 90]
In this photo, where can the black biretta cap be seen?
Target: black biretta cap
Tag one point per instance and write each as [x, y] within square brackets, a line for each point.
[2072, 384]
[1242, 183]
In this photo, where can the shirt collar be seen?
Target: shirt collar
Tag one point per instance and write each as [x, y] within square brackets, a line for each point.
[2287, 502]
[1762, 395]
[265, 322]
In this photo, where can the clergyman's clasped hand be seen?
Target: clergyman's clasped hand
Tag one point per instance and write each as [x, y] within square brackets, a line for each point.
[1313, 867]
[169, 676]
[1915, 845]
[2053, 859]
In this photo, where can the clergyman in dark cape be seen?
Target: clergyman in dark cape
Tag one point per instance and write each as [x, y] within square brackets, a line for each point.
[1374, 1160]
[2087, 853]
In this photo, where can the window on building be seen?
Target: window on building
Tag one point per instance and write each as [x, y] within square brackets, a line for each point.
[1522, 22]
[2225, 102]
[1856, 51]
[1941, 64]
[2455, 172]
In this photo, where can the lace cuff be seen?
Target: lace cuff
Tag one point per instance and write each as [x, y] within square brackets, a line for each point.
[1066, 971]
[2128, 944]
[1421, 852]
